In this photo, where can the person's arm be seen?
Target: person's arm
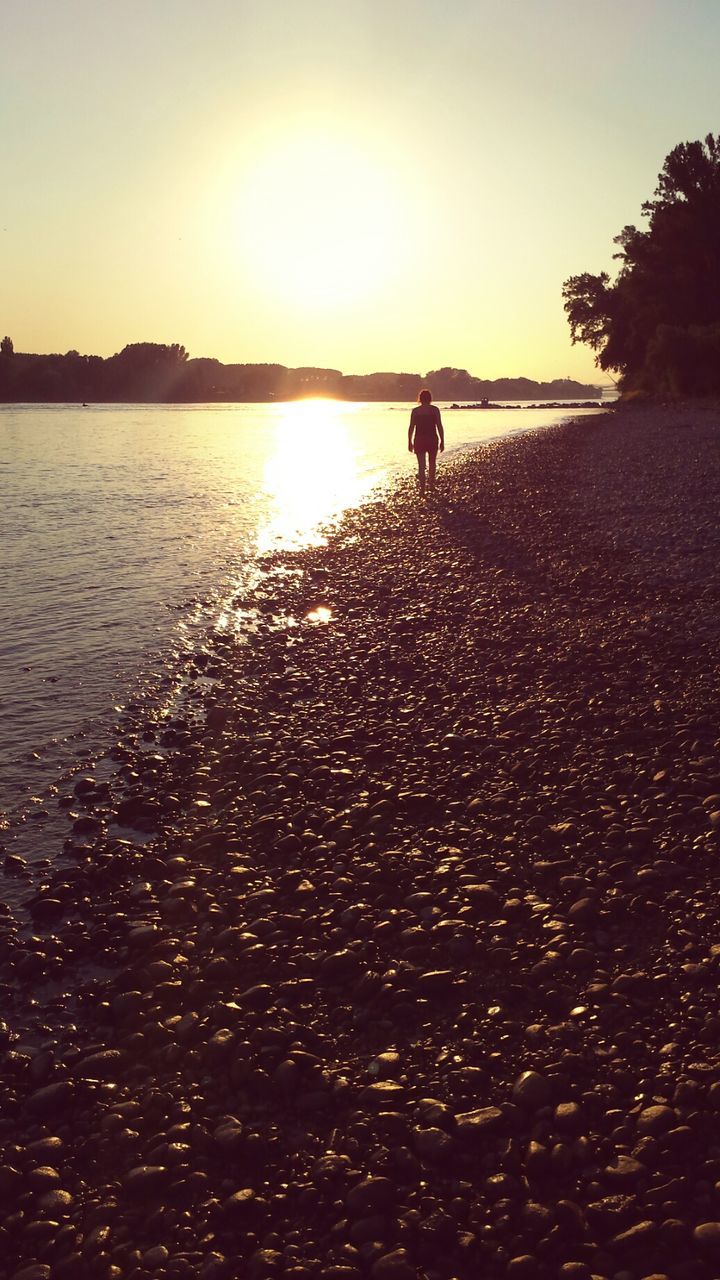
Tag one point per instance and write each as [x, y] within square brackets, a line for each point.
[411, 430]
[440, 432]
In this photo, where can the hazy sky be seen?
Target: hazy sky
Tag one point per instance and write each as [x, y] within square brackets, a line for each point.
[363, 184]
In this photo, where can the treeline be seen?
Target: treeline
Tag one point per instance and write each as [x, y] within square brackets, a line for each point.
[658, 322]
[160, 373]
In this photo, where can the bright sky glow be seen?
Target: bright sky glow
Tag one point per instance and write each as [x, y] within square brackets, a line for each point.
[323, 216]
[365, 184]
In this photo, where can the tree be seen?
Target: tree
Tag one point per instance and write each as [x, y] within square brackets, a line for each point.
[665, 301]
[145, 371]
[6, 346]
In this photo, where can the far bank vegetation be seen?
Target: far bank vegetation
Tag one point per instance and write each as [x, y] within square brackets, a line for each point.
[163, 373]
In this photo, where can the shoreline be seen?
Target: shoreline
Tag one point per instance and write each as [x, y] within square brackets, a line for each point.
[408, 399]
[460, 831]
[66, 679]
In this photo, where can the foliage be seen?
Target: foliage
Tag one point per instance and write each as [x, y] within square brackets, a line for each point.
[157, 373]
[6, 346]
[683, 362]
[665, 302]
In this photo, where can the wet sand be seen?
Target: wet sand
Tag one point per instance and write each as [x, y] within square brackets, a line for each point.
[406, 963]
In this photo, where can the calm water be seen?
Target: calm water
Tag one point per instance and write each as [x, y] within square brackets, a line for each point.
[124, 528]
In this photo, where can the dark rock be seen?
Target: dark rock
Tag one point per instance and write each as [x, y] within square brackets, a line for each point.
[52, 1099]
[370, 1196]
[641, 1238]
[532, 1090]
[105, 1065]
[145, 1180]
[654, 1120]
[394, 1266]
[478, 1126]
[706, 1238]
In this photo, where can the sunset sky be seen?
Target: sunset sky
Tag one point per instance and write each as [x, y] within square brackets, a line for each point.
[362, 184]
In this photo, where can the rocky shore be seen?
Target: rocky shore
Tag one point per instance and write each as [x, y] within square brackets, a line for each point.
[404, 963]
[545, 404]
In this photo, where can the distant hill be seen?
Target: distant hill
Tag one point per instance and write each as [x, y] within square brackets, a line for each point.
[160, 373]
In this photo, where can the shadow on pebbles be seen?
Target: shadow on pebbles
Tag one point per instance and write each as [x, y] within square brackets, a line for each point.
[405, 964]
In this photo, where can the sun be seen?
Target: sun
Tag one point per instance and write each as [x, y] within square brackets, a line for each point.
[320, 222]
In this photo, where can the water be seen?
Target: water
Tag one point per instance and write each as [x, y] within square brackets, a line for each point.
[125, 529]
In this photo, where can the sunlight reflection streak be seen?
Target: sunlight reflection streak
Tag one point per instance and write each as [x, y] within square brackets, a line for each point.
[313, 473]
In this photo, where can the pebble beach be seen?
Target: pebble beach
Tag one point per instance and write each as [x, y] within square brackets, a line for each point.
[396, 954]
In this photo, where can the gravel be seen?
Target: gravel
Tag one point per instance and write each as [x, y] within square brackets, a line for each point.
[404, 962]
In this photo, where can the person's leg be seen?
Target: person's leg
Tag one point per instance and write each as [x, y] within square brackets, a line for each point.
[420, 455]
[432, 459]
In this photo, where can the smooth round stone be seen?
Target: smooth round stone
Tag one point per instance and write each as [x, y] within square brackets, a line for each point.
[156, 1257]
[433, 1144]
[43, 1178]
[56, 1201]
[532, 1090]
[50, 1146]
[52, 1098]
[707, 1238]
[523, 1267]
[145, 1179]
[372, 1195]
[386, 1064]
[393, 1266]
[100, 1066]
[240, 1205]
[654, 1120]
[568, 1115]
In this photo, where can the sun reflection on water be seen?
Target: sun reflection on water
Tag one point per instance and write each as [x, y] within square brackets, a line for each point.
[312, 473]
[320, 614]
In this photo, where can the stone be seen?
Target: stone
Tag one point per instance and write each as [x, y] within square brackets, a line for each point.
[385, 1093]
[706, 1237]
[639, 1238]
[243, 1207]
[52, 1098]
[385, 1064]
[100, 1066]
[522, 1267]
[568, 1116]
[532, 1090]
[393, 1266]
[145, 1180]
[480, 1125]
[370, 1196]
[655, 1120]
[434, 1145]
[625, 1171]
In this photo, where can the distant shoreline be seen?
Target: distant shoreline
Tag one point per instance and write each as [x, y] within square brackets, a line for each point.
[535, 403]
[160, 373]
[544, 404]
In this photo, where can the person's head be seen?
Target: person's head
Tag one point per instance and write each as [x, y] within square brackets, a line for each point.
[425, 396]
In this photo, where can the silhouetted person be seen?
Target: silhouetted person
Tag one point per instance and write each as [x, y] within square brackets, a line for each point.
[424, 435]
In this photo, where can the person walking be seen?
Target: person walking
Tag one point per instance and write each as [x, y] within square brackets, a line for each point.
[425, 433]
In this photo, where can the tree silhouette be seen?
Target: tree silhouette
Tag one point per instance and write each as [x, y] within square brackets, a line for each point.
[6, 346]
[162, 373]
[658, 324]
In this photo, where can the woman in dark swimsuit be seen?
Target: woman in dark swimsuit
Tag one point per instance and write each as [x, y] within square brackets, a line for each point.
[424, 434]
